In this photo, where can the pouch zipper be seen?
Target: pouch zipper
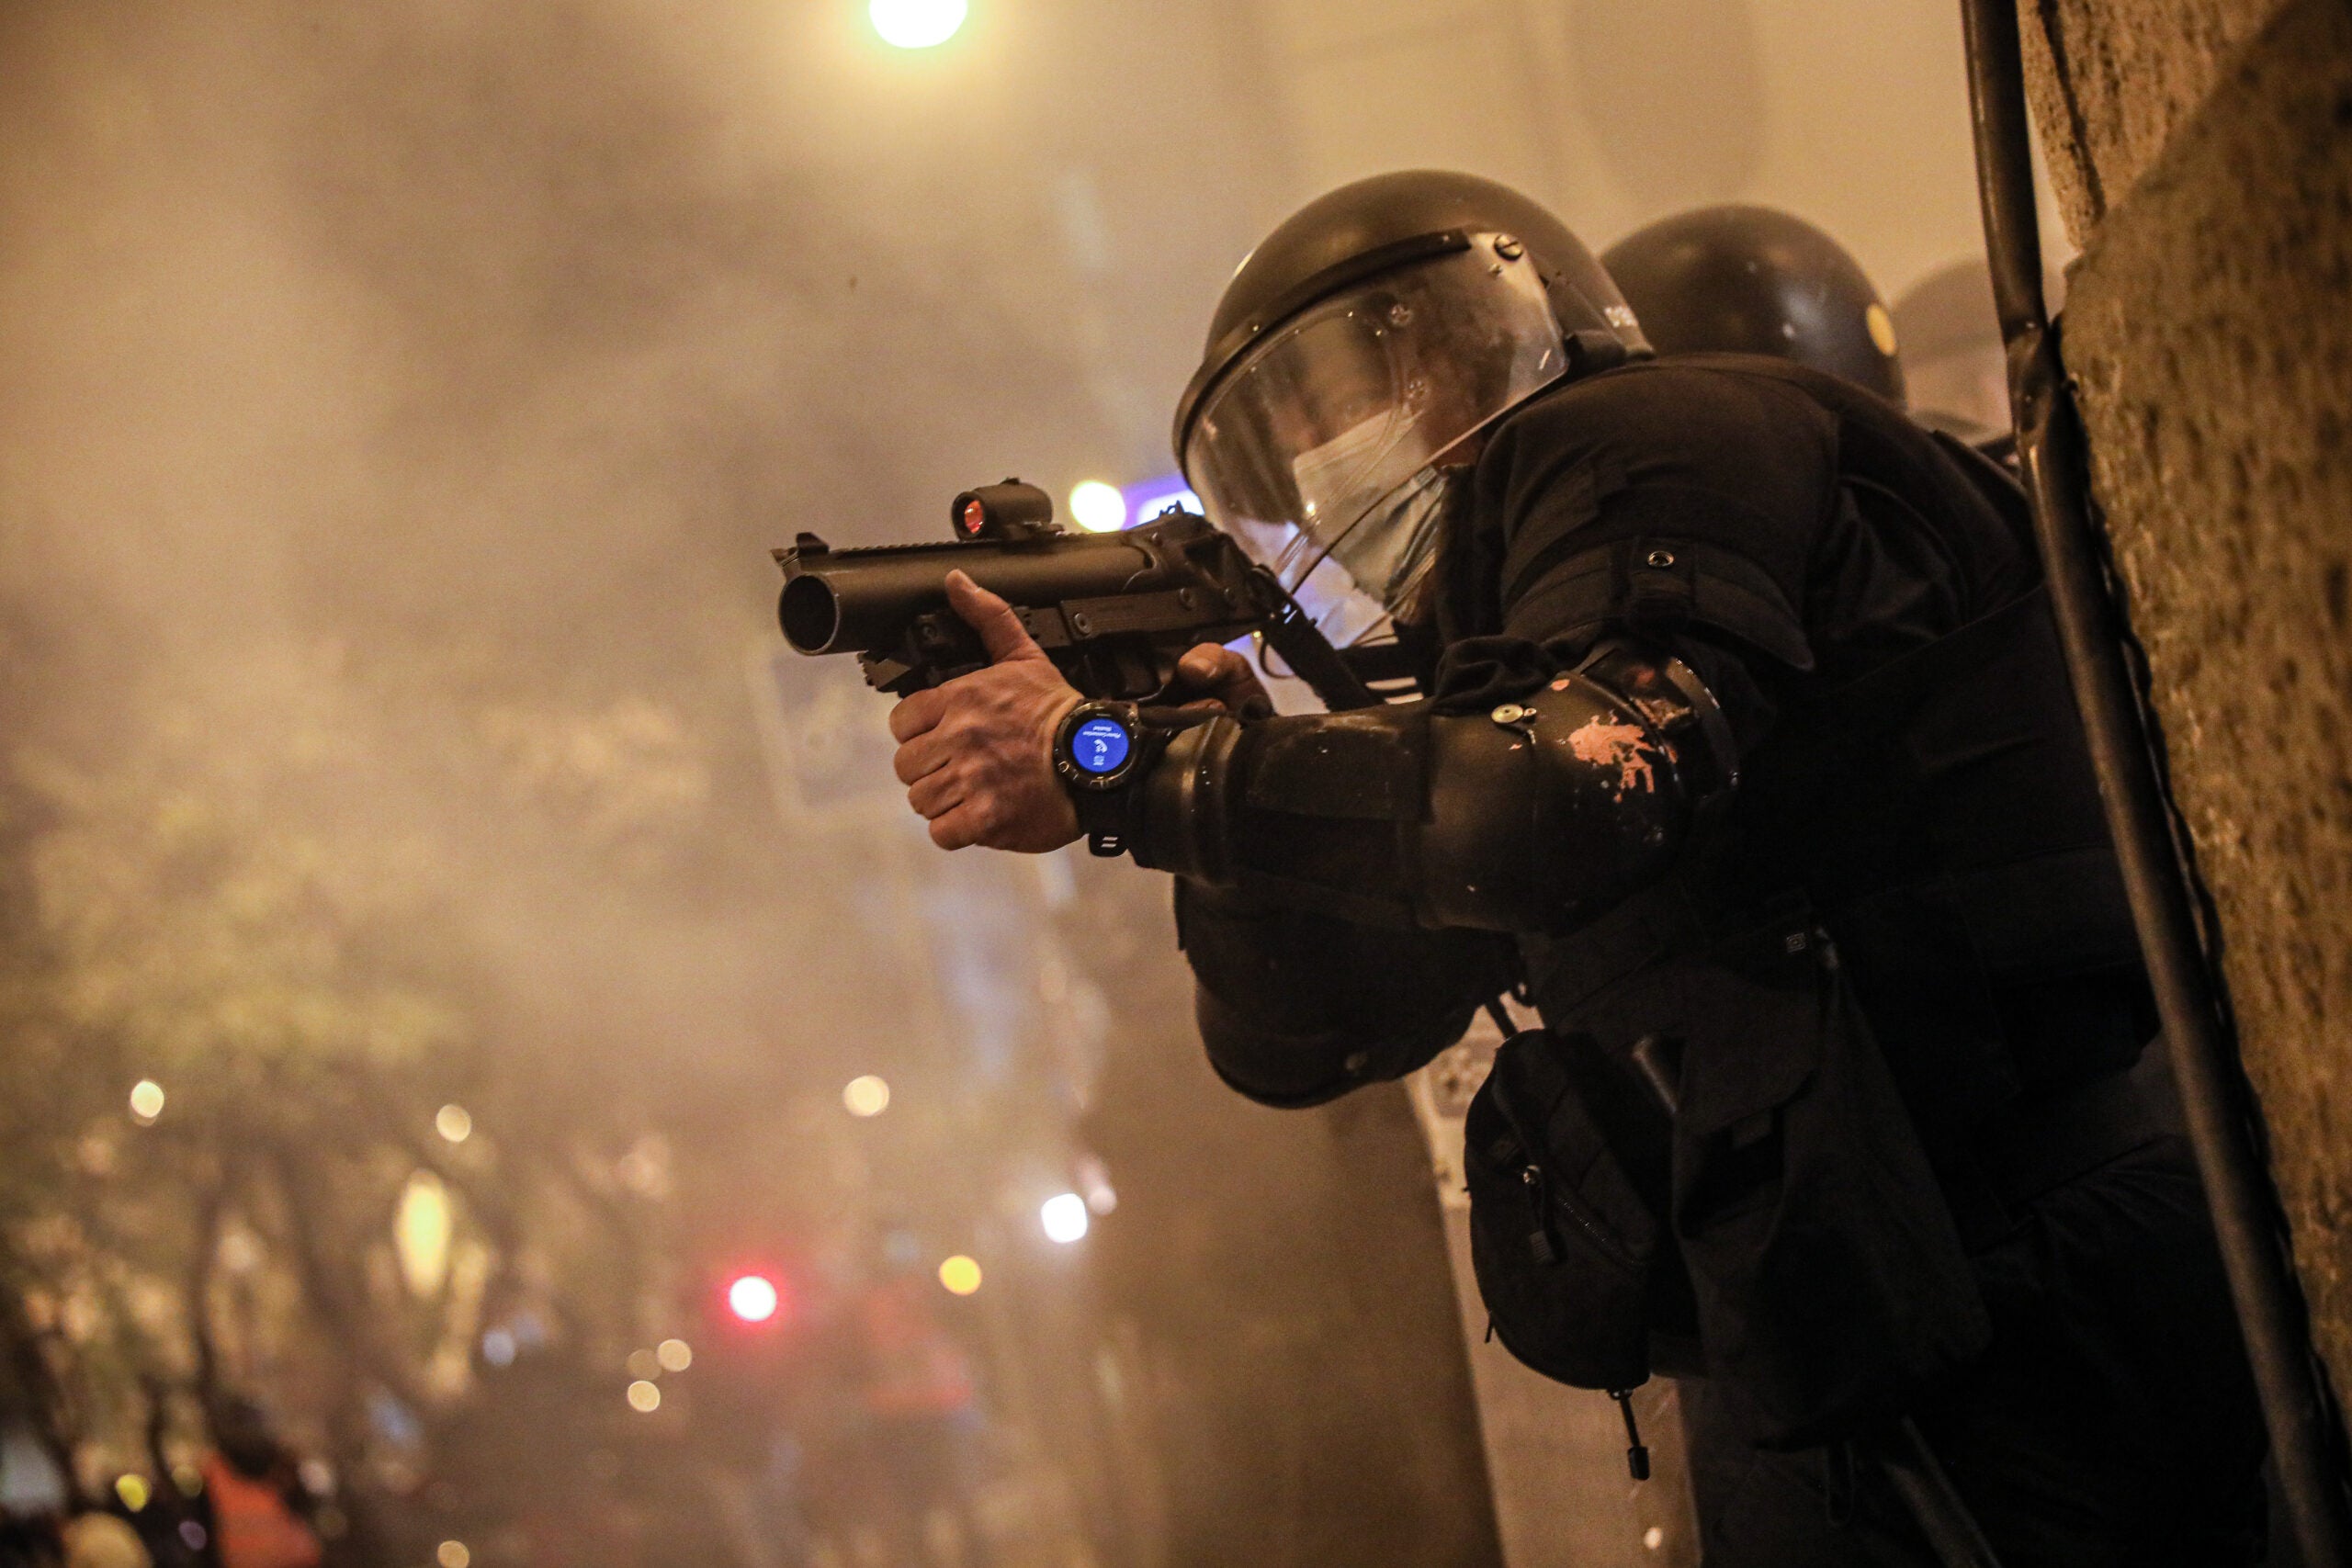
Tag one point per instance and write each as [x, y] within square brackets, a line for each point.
[1541, 1191]
[1566, 1200]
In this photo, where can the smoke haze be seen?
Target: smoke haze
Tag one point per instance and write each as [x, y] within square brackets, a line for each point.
[397, 405]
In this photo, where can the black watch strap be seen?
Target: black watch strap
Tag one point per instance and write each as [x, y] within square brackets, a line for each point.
[1105, 817]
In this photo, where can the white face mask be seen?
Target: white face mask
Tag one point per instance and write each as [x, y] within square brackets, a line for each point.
[1375, 568]
[1392, 548]
[1328, 476]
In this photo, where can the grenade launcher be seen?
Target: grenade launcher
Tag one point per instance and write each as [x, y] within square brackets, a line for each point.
[1113, 611]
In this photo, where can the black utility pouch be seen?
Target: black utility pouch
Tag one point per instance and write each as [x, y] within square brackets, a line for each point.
[1564, 1245]
[1832, 1286]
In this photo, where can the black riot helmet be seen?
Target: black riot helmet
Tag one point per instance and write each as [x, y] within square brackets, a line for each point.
[1357, 348]
[1740, 279]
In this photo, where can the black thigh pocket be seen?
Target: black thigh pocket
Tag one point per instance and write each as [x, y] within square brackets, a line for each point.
[1563, 1241]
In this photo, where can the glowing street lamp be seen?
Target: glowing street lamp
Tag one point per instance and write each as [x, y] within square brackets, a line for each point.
[866, 1096]
[753, 1298]
[1098, 508]
[1064, 1217]
[916, 24]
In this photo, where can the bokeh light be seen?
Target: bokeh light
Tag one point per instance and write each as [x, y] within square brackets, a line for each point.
[644, 1365]
[916, 24]
[752, 1298]
[422, 1228]
[454, 1123]
[146, 1101]
[1094, 1181]
[674, 1355]
[866, 1096]
[1064, 1217]
[644, 1397]
[134, 1491]
[453, 1554]
[960, 1274]
[1098, 508]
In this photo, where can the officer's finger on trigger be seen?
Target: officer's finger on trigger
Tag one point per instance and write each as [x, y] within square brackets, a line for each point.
[1207, 664]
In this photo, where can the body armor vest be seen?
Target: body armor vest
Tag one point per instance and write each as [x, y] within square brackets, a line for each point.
[1905, 939]
[1783, 1094]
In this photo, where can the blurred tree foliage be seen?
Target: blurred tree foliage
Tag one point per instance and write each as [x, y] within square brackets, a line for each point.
[201, 907]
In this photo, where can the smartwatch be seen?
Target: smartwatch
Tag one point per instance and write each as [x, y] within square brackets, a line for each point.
[1101, 749]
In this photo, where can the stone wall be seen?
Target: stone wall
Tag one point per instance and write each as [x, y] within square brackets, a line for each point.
[2113, 80]
[2202, 151]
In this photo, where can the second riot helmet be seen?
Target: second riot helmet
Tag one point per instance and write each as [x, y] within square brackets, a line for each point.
[1737, 279]
[1356, 348]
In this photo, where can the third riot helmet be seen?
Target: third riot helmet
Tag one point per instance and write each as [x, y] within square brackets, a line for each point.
[1752, 280]
[1356, 348]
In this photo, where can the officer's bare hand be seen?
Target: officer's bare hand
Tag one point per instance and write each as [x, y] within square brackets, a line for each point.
[1225, 681]
[976, 754]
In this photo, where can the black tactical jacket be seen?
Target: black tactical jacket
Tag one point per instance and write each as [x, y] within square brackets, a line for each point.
[1925, 790]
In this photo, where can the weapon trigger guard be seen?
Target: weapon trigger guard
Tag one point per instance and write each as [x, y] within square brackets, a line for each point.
[1164, 694]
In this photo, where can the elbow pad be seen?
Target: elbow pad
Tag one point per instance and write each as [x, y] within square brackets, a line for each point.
[1534, 816]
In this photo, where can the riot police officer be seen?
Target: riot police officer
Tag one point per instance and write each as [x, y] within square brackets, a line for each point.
[1744, 280]
[1750, 757]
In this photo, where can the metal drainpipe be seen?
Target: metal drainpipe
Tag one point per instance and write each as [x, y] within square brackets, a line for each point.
[2214, 1096]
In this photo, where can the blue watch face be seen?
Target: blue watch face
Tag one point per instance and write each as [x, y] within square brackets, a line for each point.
[1099, 745]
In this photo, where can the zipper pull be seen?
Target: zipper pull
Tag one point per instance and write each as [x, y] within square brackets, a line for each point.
[1637, 1457]
[1539, 1241]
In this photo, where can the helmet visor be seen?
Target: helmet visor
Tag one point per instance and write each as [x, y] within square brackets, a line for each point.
[1317, 451]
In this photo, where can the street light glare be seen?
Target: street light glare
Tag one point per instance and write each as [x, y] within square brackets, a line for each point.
[752, 1298]
[1064, 1217]
[1098, 508]
[866, 1096]
[916, 24]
